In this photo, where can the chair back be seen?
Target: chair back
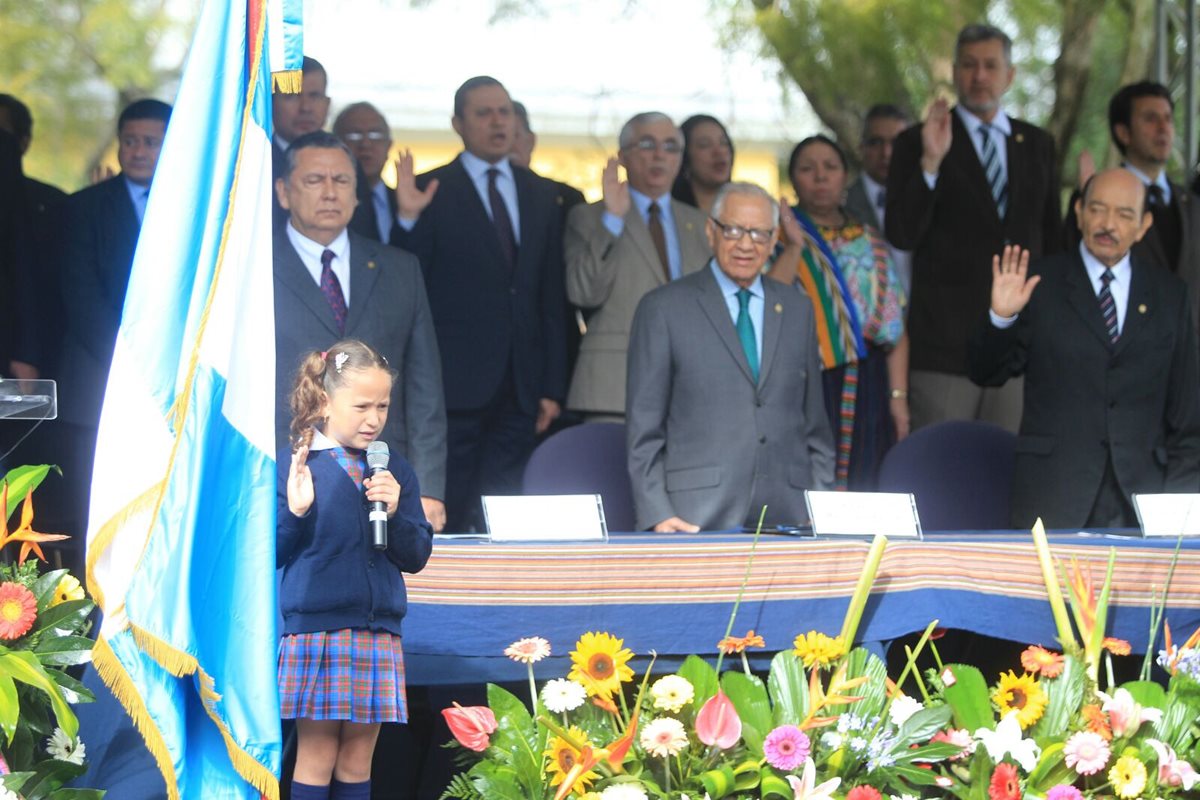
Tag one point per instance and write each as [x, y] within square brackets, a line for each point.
[960, 472]
[585, 459]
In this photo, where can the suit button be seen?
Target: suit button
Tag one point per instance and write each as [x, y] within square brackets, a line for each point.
[1104, 442]
[762, 440]
[370, 563]
[370, 617]
[512, 291]
[758, 403]
[1112, 404]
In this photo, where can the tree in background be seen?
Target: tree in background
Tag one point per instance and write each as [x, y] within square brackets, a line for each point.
[76, 64]
[845, 56]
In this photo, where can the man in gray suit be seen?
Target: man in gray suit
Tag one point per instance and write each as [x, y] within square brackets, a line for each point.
[331, 283]
[726, 412]
[617, 249]
[866, 198]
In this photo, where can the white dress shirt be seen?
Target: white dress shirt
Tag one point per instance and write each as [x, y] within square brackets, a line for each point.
[310, 256]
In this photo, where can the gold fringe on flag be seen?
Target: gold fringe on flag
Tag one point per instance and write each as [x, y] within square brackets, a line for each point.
[287, 81]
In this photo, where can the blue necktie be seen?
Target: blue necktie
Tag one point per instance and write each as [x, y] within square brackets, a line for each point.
[994, 169]
[745, 331]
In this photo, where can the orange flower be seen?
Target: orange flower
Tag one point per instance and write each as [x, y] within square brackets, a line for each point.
[734, 644]
[1097, 721]
[1040, 660]
[25, 534]
[1118, 647]
[18, 610]
[602, 702]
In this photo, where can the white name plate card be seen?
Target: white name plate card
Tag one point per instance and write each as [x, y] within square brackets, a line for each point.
[545, 518]
[1170, 515]
[863, 514]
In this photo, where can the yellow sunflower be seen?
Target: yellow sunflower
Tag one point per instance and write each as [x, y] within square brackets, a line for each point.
[598, 662]
[1021, 694]
[817, 648]
[563, 755]
[1128, 776]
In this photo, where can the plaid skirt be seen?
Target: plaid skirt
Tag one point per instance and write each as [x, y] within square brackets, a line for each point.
[349, 674]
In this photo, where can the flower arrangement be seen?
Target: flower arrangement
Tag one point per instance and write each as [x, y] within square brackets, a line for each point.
[43, 627]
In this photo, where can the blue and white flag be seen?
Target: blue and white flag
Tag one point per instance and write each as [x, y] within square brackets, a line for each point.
[181, 540]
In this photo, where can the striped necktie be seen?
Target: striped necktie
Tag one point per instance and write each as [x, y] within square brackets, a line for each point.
[1108, 307]
[993, 169]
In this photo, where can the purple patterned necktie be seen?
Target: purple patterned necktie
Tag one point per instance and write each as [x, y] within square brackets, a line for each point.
[332, 289]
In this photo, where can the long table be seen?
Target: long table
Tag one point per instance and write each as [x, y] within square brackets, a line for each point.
[673, 593]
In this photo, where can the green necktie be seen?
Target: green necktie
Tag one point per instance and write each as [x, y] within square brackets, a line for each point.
[745, 331]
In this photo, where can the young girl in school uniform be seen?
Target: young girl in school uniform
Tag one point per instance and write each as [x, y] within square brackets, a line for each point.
[341, 670]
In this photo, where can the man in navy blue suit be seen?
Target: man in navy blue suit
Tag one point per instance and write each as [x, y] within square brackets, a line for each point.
[101, 232]
[488, 235]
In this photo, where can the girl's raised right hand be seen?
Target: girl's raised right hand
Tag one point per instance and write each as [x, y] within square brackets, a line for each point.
[299, 484]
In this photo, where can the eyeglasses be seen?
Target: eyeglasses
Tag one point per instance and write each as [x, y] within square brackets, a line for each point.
[649, 144]
[371, 136]
[735, 232]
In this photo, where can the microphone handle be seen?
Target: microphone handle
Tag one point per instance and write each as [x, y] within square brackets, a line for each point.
[378, 518]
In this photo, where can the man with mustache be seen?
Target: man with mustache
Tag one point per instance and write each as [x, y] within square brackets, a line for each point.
[1108, 350]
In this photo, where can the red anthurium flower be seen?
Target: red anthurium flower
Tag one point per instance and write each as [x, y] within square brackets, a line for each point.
[471, 725]
[718, 723]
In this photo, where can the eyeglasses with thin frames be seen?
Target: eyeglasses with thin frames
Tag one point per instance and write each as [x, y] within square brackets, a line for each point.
[371, 136]
[735, 232]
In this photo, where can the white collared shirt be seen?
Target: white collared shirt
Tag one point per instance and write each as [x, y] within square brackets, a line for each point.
[1161, 181]
[310, 256]
[1000, 128]
[729, 290]
[477, 169]
[320, 441]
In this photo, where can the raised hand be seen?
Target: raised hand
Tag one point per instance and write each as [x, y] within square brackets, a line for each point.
[936, 135]
[411, 201]
[1011, 288]
[299, 484]
[616, 191]
[786, 263]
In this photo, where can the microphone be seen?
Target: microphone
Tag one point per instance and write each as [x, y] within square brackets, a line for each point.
[377, 461]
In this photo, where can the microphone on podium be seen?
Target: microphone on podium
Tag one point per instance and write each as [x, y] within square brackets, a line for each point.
[377, 461]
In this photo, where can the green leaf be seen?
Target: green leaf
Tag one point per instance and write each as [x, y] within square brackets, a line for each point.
[928, 753]
[65, 618]
[77, 794]
[1064, 695]
[703, 678]
[514, 735]
[64, 651]
[498, 782]
[771, 785]
[1183, 709]
[969, 698]
[21, 481]
[10, 709]
[916, 775]
[43, 588]
[50, 775]
[24, 666]
[922, 725]
[788, 687]
[718, 782]
[746, 776]
[74, 692]
[15, 780]
[1051, 770]
[749, 697]
[1147, 694]
[860, 662]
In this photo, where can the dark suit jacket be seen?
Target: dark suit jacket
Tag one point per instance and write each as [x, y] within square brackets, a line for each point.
[954, 230]
[40, 314]
[1137, 403]
[1150, 248]
[706, 443]
[490, 320]
[99, 239]
[388, 311]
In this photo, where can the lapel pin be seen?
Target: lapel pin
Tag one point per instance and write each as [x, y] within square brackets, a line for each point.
[1020, 138]
[1142, 308]
[779, 308]
[559, 200]
[370, 265]
[687, 225]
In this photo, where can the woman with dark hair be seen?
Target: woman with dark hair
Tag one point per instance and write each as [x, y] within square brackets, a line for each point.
[707, 161]
[846, 269]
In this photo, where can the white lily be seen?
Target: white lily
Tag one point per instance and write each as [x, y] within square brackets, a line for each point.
[1172, 770]
[1006, 739]
[804, 788]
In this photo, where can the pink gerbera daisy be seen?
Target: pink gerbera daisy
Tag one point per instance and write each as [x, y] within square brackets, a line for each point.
[529, 650]
[786, 747]
[1087, 753]
[1064, 791]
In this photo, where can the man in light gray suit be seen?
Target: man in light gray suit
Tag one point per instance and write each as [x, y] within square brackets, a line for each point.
[617, 249]
[866, 198]
[726, 412]
[331, 283]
